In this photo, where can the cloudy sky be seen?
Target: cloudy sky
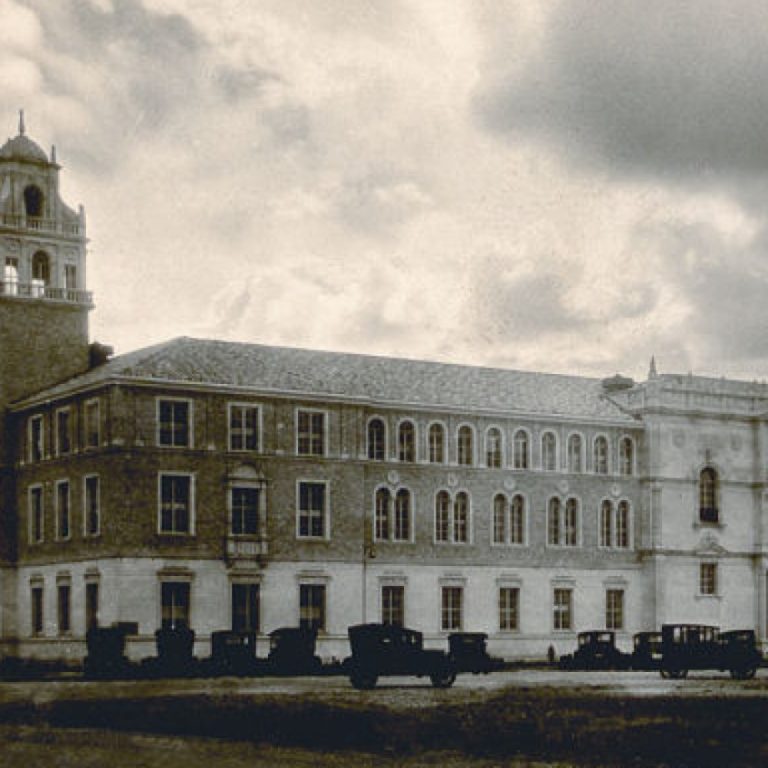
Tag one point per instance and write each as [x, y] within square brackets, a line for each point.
[562, 186]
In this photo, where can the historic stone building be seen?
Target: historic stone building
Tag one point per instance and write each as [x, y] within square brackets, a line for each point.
[223, 485]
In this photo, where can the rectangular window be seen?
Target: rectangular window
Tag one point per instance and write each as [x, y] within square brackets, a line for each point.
[708, 578]
[245, 607]
[174, 423]
[174, 596]
[70, 277]
[312, 503]
[243, 427]
[63, 432]
[176, 504]
[92, 506]
[312, 606]
[63, 601]
[91, 605]
[245, 511]
[36, 605]
[509, 609]
[451, 609]
[10, 281]
[614, 609]
[62, 509]
[563, 609]
[310, 433]
[92, 425]
[36, 514]
[393, 605]
[36, 440]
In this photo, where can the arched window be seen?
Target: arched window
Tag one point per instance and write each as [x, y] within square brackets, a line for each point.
[442, 516]
[406, 442]
[553, 522]
[571, 523]
[520, 457]
[41, 273]
[708, 491]
[600, 456]
[33, 201]
[622, 525]
[499, 519]
[465, 445]
[402, 515]
[436, 444]
[461, 518]
[376, 439]
[10, 277]
[626, 456]
[574, 454]
[493, 448]
[517, 520]
[549, 452]
[606, 524]
[381, 515]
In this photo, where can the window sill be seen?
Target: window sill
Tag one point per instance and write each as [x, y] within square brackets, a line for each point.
[701, 596]
[702, 524]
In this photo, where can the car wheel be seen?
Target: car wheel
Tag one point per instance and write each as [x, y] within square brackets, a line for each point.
[443, 678]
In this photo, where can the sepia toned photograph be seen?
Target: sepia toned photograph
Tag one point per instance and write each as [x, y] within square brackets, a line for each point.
[383, 383]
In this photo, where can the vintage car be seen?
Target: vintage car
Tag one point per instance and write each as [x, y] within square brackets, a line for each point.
[292, 652]
[106, 652]
[698, 646]
[232, 653]
[646, 651]
[596, 650]
[468, 652]
[383, 649]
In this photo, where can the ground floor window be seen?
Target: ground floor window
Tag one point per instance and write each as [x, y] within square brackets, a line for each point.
[64, 596]
[563, 609]
[175, 604]
[312, 606]
[91, 605]
[509, 609]
[614, 609]
[36, 602]
[393, 605]
[451, 608]
[245, 607]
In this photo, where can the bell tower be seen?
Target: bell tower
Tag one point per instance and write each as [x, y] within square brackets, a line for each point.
[43, 301]
[44, 308]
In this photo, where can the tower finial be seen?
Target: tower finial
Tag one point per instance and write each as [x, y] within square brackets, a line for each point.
[22, 129]
[652, 371]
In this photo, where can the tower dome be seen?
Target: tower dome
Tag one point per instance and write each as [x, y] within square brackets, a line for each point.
[22, 148]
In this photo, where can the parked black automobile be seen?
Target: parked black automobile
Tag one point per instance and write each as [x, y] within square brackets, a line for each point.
[382, 649]
[233, 653]
[175, 657]
[292, 652]
[596, 650]
[106, 652]
[646, 651]
[698, 646]
[468, 653]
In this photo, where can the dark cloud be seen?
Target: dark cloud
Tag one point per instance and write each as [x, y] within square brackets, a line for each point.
[666, 87]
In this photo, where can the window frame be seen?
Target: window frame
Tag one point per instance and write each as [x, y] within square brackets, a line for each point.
[442, 431]
[170, 585]
[570, 453]
[626, 466]
[406, 449]
[93, 403]
[614, 611]
[606, 460]
[191, 477]
[246, 487]
[62, 438]
[370, 444]
[507, 611]
[64, 607]
[709, 582]
[87, 532]
[496, 433]
[309, 435]
[709, 515]
[326, 516]
[37, 608]
[561, 611]
[58, 510]
[392, 612]
[548, 450]
[36, 448]
[251, 590]
[464, 459]
[243, 407]
[525, 463]
[160, 400]
[38, 490]
[312, 588]
[451, 612]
